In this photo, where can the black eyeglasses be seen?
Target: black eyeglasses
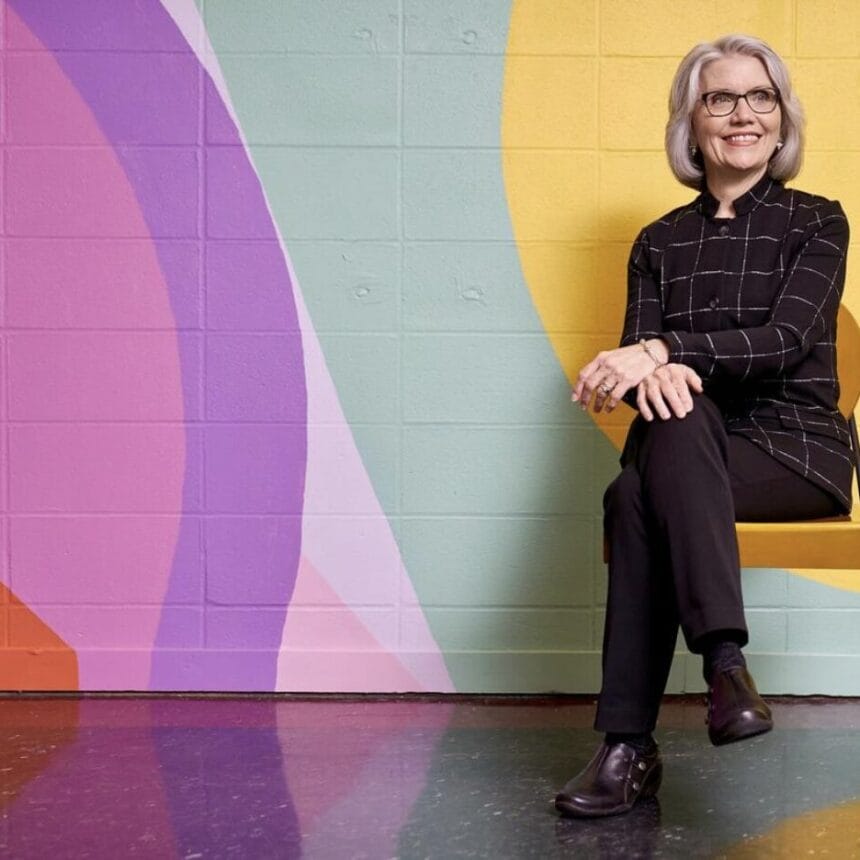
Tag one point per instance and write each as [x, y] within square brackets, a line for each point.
[722, 103]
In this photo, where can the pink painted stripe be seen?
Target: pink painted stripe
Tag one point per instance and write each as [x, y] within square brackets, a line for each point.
[85, 467]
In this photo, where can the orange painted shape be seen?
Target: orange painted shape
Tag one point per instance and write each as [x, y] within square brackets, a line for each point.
[46, 662]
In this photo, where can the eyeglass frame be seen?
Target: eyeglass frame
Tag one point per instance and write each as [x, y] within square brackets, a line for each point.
[738, 96]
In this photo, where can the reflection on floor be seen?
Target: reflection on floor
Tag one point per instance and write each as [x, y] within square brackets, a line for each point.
[406, 778]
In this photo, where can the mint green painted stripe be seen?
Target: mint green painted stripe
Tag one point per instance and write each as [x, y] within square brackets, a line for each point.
[396, 195]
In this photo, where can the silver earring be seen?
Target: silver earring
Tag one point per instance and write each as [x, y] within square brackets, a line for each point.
[779, 144]
[694, 150]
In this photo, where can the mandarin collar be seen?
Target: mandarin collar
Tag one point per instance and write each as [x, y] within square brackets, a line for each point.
[766, 187]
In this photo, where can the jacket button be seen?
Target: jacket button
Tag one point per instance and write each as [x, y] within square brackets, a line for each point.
[713, 304]
[724, 230]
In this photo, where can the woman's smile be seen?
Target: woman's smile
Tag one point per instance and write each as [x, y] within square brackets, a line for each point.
[742, 139]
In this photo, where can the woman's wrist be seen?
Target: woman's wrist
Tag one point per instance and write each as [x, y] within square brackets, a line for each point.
[657, 350]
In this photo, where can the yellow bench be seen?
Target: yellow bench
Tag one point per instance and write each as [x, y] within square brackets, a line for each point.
[828, 544]
[832, 544]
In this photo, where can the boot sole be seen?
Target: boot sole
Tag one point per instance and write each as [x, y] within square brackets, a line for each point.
[741, 731]
[650, 787]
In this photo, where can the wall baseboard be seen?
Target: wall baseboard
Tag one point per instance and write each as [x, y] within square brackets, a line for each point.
[502, 672]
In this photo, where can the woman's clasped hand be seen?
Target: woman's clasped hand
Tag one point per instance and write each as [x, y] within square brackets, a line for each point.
[664, 390]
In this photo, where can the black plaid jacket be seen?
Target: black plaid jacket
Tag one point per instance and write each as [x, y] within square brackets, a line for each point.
[750, 304]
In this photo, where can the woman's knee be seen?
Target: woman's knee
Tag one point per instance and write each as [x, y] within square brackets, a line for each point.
[701, 427]
[623, 494]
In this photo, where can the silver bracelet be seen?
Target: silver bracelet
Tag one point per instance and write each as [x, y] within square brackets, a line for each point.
[643, 343]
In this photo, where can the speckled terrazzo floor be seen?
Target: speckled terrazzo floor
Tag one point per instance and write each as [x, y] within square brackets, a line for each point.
[405, 778]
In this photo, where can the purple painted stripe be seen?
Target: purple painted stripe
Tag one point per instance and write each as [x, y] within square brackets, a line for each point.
[250, 469]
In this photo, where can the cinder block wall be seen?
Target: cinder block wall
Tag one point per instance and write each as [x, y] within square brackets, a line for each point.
[291, 296]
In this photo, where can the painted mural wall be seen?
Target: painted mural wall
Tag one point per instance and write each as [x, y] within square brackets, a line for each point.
[291, 297]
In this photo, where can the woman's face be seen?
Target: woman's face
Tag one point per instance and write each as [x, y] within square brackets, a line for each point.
[737, 146]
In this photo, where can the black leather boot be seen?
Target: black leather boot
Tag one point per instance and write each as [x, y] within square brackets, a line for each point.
[735, 709]
[612, 782]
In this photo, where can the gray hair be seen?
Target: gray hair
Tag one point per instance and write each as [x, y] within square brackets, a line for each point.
[684, 94]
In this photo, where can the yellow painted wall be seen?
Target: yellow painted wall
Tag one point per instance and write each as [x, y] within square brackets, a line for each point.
[584, 110]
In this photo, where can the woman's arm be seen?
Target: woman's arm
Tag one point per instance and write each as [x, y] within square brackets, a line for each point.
[643, 317]
[805, 307]
[630, 372]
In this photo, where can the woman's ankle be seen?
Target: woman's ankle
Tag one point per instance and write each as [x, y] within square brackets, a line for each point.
[642, 742]
[720, 657]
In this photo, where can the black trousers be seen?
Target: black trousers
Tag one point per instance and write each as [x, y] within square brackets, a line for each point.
[673, 554]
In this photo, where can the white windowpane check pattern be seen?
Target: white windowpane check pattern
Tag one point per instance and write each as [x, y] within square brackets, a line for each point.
[750, 304]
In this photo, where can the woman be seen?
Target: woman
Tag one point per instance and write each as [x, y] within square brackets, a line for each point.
[728, 354]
